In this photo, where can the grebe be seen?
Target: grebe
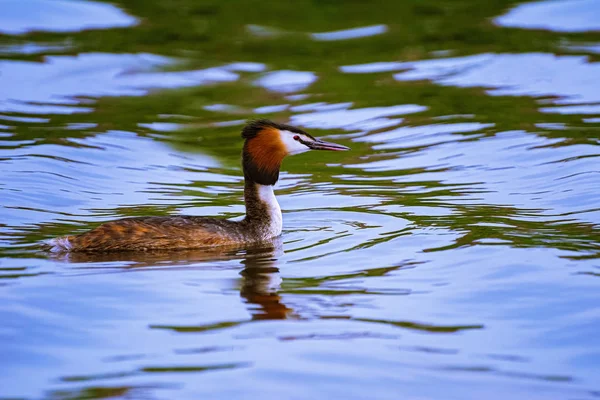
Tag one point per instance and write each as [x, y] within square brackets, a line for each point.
[265, 146]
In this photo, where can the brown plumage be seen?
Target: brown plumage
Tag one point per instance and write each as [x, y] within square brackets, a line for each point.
[267, 150]
[266, 144]
[152, 233]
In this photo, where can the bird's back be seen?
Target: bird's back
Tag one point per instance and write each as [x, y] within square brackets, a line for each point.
[153, 233]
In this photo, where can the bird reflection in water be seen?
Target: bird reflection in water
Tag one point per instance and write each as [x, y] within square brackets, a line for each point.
[260, 287]
[260, 282]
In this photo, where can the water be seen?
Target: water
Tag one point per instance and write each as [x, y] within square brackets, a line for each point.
[453, 253]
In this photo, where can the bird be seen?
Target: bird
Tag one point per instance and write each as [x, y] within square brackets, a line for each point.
[266, 144]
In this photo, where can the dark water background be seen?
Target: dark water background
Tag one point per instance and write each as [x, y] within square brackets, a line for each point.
[454, 253]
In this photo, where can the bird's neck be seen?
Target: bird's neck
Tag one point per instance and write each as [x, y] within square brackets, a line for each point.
[262, 209]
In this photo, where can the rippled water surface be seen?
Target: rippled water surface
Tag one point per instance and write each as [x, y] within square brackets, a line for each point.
[454, 253]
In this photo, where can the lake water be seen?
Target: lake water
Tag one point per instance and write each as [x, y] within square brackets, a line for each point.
[454, 253]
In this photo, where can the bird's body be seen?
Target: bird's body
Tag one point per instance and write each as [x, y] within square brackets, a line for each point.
[267, 143]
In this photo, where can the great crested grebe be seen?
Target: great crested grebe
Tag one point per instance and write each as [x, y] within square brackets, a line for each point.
[266, 144]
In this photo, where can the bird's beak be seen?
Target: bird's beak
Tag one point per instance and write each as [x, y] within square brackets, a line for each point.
[319, 144]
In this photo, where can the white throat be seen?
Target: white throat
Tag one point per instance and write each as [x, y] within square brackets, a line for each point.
[267, 197]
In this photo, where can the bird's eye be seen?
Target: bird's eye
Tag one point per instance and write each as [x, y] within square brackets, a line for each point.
[296, 137]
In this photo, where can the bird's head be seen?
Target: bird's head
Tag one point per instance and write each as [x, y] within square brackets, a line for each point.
[267, 143]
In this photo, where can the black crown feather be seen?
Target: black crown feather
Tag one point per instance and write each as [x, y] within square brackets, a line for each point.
[253, 128]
